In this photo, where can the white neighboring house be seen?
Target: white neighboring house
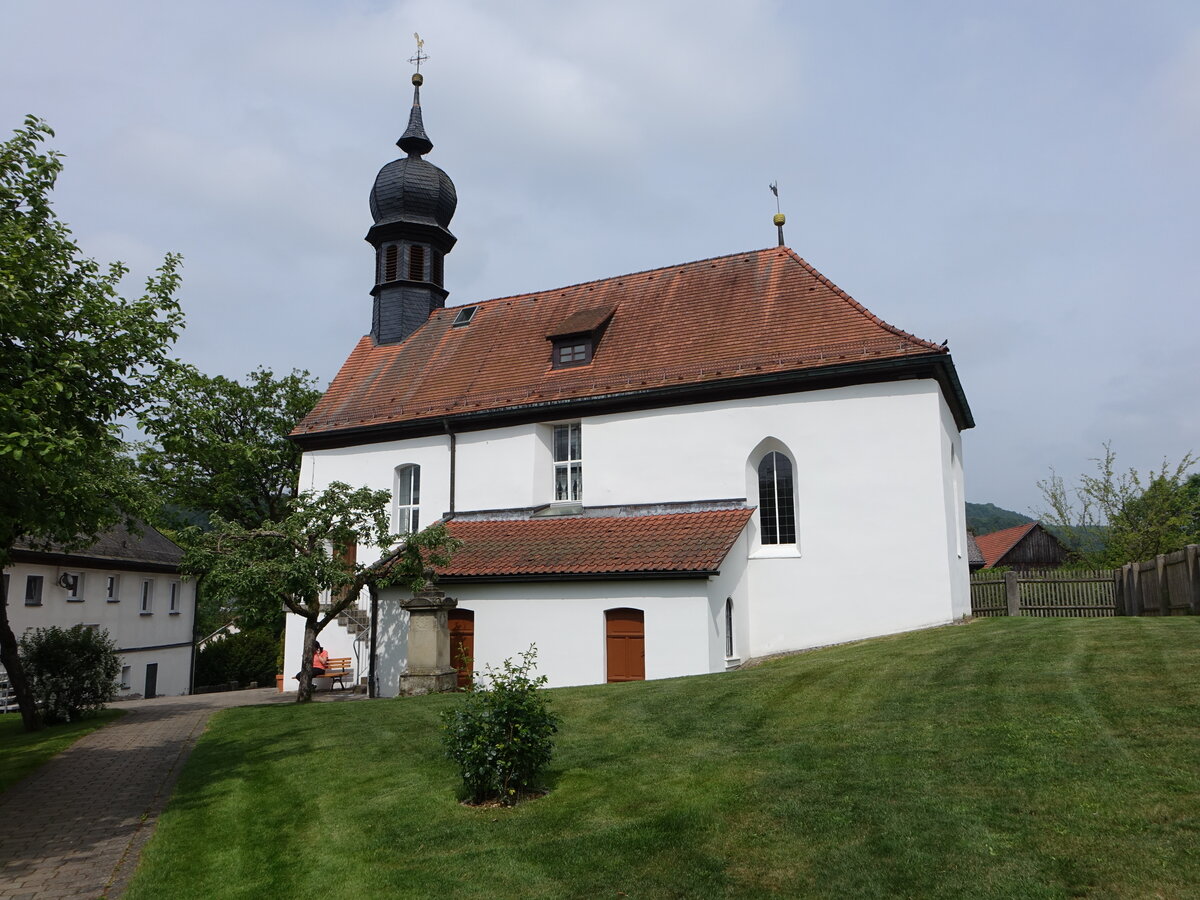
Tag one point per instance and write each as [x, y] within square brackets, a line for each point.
[125, 583]
[659, 474]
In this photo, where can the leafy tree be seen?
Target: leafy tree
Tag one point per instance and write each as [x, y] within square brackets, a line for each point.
[502, 735]
[71, 670]
[307, 560]
[242, 657]
[221, 447]
[74, 357]
[1140, 515]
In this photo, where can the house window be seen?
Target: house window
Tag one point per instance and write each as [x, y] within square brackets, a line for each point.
[174, 605]
[574, 352]
[147, 597]
[72, 582]
[112, 589]
[568, 464]
[408, 499]
[124, 685]
[776, 503]
[728, 627]
[33, 590]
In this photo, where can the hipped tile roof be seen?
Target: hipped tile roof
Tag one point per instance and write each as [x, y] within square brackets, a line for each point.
[677, 543]
[993, 546]
[745, 315]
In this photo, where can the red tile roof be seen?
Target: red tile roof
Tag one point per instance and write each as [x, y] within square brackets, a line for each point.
[677, 543]
[993, 546]
[745, 315]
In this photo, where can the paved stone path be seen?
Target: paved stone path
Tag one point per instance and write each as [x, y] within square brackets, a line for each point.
[76, 826]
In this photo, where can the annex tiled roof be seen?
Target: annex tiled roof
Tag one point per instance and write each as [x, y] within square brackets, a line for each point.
[993, 546]
[117, 545]
[678, 543]
[745, 315]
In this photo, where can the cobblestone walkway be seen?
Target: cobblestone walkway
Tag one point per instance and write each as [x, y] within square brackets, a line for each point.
[76, 826]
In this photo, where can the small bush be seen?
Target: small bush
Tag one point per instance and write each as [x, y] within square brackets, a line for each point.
[502, 734]
[70, 671]
[242, 657]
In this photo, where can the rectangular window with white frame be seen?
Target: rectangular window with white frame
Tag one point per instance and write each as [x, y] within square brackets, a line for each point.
[174, 606]
[112, 588]
[147, 597]
[33, 590]
[408, 499]
[124, 685]
[72, 583]
[568, 463]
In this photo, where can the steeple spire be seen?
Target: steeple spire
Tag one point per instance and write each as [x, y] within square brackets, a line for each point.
[414, 141]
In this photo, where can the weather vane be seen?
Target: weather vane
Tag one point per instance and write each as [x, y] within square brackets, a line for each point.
[420, 57]
[779, 217]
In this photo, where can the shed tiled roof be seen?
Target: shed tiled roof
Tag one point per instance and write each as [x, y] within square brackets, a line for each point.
[993, 546]
[740, 316]
[674, 544]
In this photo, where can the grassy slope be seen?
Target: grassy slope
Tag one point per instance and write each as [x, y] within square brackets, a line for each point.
[1006, 758]
[21, 753]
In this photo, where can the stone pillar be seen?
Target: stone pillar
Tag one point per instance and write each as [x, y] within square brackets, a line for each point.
[428, 670]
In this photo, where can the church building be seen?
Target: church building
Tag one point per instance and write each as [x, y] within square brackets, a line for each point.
[662, 473]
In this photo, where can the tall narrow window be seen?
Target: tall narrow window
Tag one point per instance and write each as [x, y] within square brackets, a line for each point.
[408, 499]
[568, 463]
[390, 254]
[33, 590]
[111, 589]
[73, 583]
[174, 605]
[729, 627]
[776, 503]
[147, 597]
[416, 262]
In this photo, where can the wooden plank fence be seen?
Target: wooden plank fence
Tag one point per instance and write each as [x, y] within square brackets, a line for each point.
[1044, 593]
[1168, 585]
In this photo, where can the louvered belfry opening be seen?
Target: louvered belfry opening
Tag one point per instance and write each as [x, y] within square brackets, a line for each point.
[390, 259]
[416, 262]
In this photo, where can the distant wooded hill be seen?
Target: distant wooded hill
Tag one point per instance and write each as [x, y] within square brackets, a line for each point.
[984, 518]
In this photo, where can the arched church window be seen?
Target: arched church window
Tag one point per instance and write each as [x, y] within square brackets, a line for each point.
[776, 500]
[408, 499]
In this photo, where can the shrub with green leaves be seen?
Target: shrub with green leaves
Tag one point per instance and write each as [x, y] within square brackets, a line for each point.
[242, 657]
[502, 735]
[71, 670]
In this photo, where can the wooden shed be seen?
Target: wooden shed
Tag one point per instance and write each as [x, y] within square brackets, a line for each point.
[1028, 546]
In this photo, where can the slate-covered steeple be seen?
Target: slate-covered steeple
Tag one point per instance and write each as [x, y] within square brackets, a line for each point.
[412, 204]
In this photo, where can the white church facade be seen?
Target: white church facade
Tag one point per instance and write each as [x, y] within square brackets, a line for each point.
[660, 474]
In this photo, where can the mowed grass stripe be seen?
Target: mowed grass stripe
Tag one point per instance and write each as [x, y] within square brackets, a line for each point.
[1004, 758]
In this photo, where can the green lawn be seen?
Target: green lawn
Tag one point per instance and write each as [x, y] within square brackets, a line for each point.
[21, 753]
[1005, 758]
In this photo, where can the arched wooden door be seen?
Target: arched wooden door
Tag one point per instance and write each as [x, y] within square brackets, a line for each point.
[462, 644]
[625, 644]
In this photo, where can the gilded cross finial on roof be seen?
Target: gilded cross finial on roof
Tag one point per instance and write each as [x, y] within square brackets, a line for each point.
[418, 59]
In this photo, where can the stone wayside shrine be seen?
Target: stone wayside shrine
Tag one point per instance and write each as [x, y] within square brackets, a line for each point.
[428, 670]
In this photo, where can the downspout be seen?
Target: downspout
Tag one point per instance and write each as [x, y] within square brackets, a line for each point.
[453, 462]
[372, 687]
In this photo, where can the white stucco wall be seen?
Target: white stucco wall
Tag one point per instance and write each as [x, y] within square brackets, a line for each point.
[881, 534]
[159, 637]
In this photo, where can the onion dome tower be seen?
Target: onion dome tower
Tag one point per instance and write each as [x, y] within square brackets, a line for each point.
[412, 203]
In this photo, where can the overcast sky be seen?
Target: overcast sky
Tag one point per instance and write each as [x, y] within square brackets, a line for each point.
[1021, 178]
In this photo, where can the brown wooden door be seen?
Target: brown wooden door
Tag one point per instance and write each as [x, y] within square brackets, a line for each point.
[462, 644]
[625, 644]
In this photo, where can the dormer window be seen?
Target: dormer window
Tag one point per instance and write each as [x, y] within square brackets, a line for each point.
[464, 317]
[575, 340]
[572, 352]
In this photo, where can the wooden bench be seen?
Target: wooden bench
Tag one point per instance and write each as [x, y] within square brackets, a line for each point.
[339, 670]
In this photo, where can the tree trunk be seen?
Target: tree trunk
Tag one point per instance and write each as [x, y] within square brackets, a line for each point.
[10, 658]
[304, 693]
